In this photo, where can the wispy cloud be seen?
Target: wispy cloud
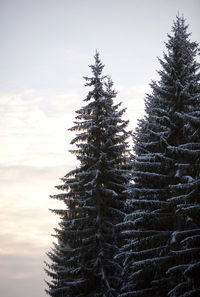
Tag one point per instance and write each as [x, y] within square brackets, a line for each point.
[34, 127]
[34, 124]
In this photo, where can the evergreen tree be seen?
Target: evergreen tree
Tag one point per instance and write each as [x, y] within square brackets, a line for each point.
[83, 259]
[161, 254]
[185, 194]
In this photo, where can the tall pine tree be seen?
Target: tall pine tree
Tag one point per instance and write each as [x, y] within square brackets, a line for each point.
[185, 194]
[161, 254]
[83, 258]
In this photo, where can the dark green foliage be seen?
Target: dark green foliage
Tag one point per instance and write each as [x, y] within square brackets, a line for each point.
[83, 261]
[162, 232]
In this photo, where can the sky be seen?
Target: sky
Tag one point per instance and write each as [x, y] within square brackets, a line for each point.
[46, 47]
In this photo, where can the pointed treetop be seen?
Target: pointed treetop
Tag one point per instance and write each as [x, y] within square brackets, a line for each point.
[179, 41]
[179, 26]
[98, 66]
[97, 80]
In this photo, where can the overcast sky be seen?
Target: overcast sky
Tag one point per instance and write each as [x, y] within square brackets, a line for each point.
[46, 47]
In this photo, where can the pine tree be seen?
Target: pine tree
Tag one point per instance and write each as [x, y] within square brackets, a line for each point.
[161, 254]
[185, 194]
[83, 258]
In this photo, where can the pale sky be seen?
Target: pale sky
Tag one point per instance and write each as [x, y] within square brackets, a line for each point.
[46, 47]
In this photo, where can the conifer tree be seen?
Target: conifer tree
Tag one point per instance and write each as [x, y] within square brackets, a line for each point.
[161, 254]
[185, 194]
[83, 261]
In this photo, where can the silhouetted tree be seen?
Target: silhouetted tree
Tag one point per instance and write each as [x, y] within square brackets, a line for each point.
[162, 232]
[83, 261]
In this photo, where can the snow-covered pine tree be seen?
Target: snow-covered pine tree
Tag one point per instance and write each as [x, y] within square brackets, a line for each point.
[185, 150]
[83, 259]
[166, 190]
[148, 227]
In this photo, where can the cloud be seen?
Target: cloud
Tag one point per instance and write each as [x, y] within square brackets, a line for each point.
[34, 127]
[34, 124]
